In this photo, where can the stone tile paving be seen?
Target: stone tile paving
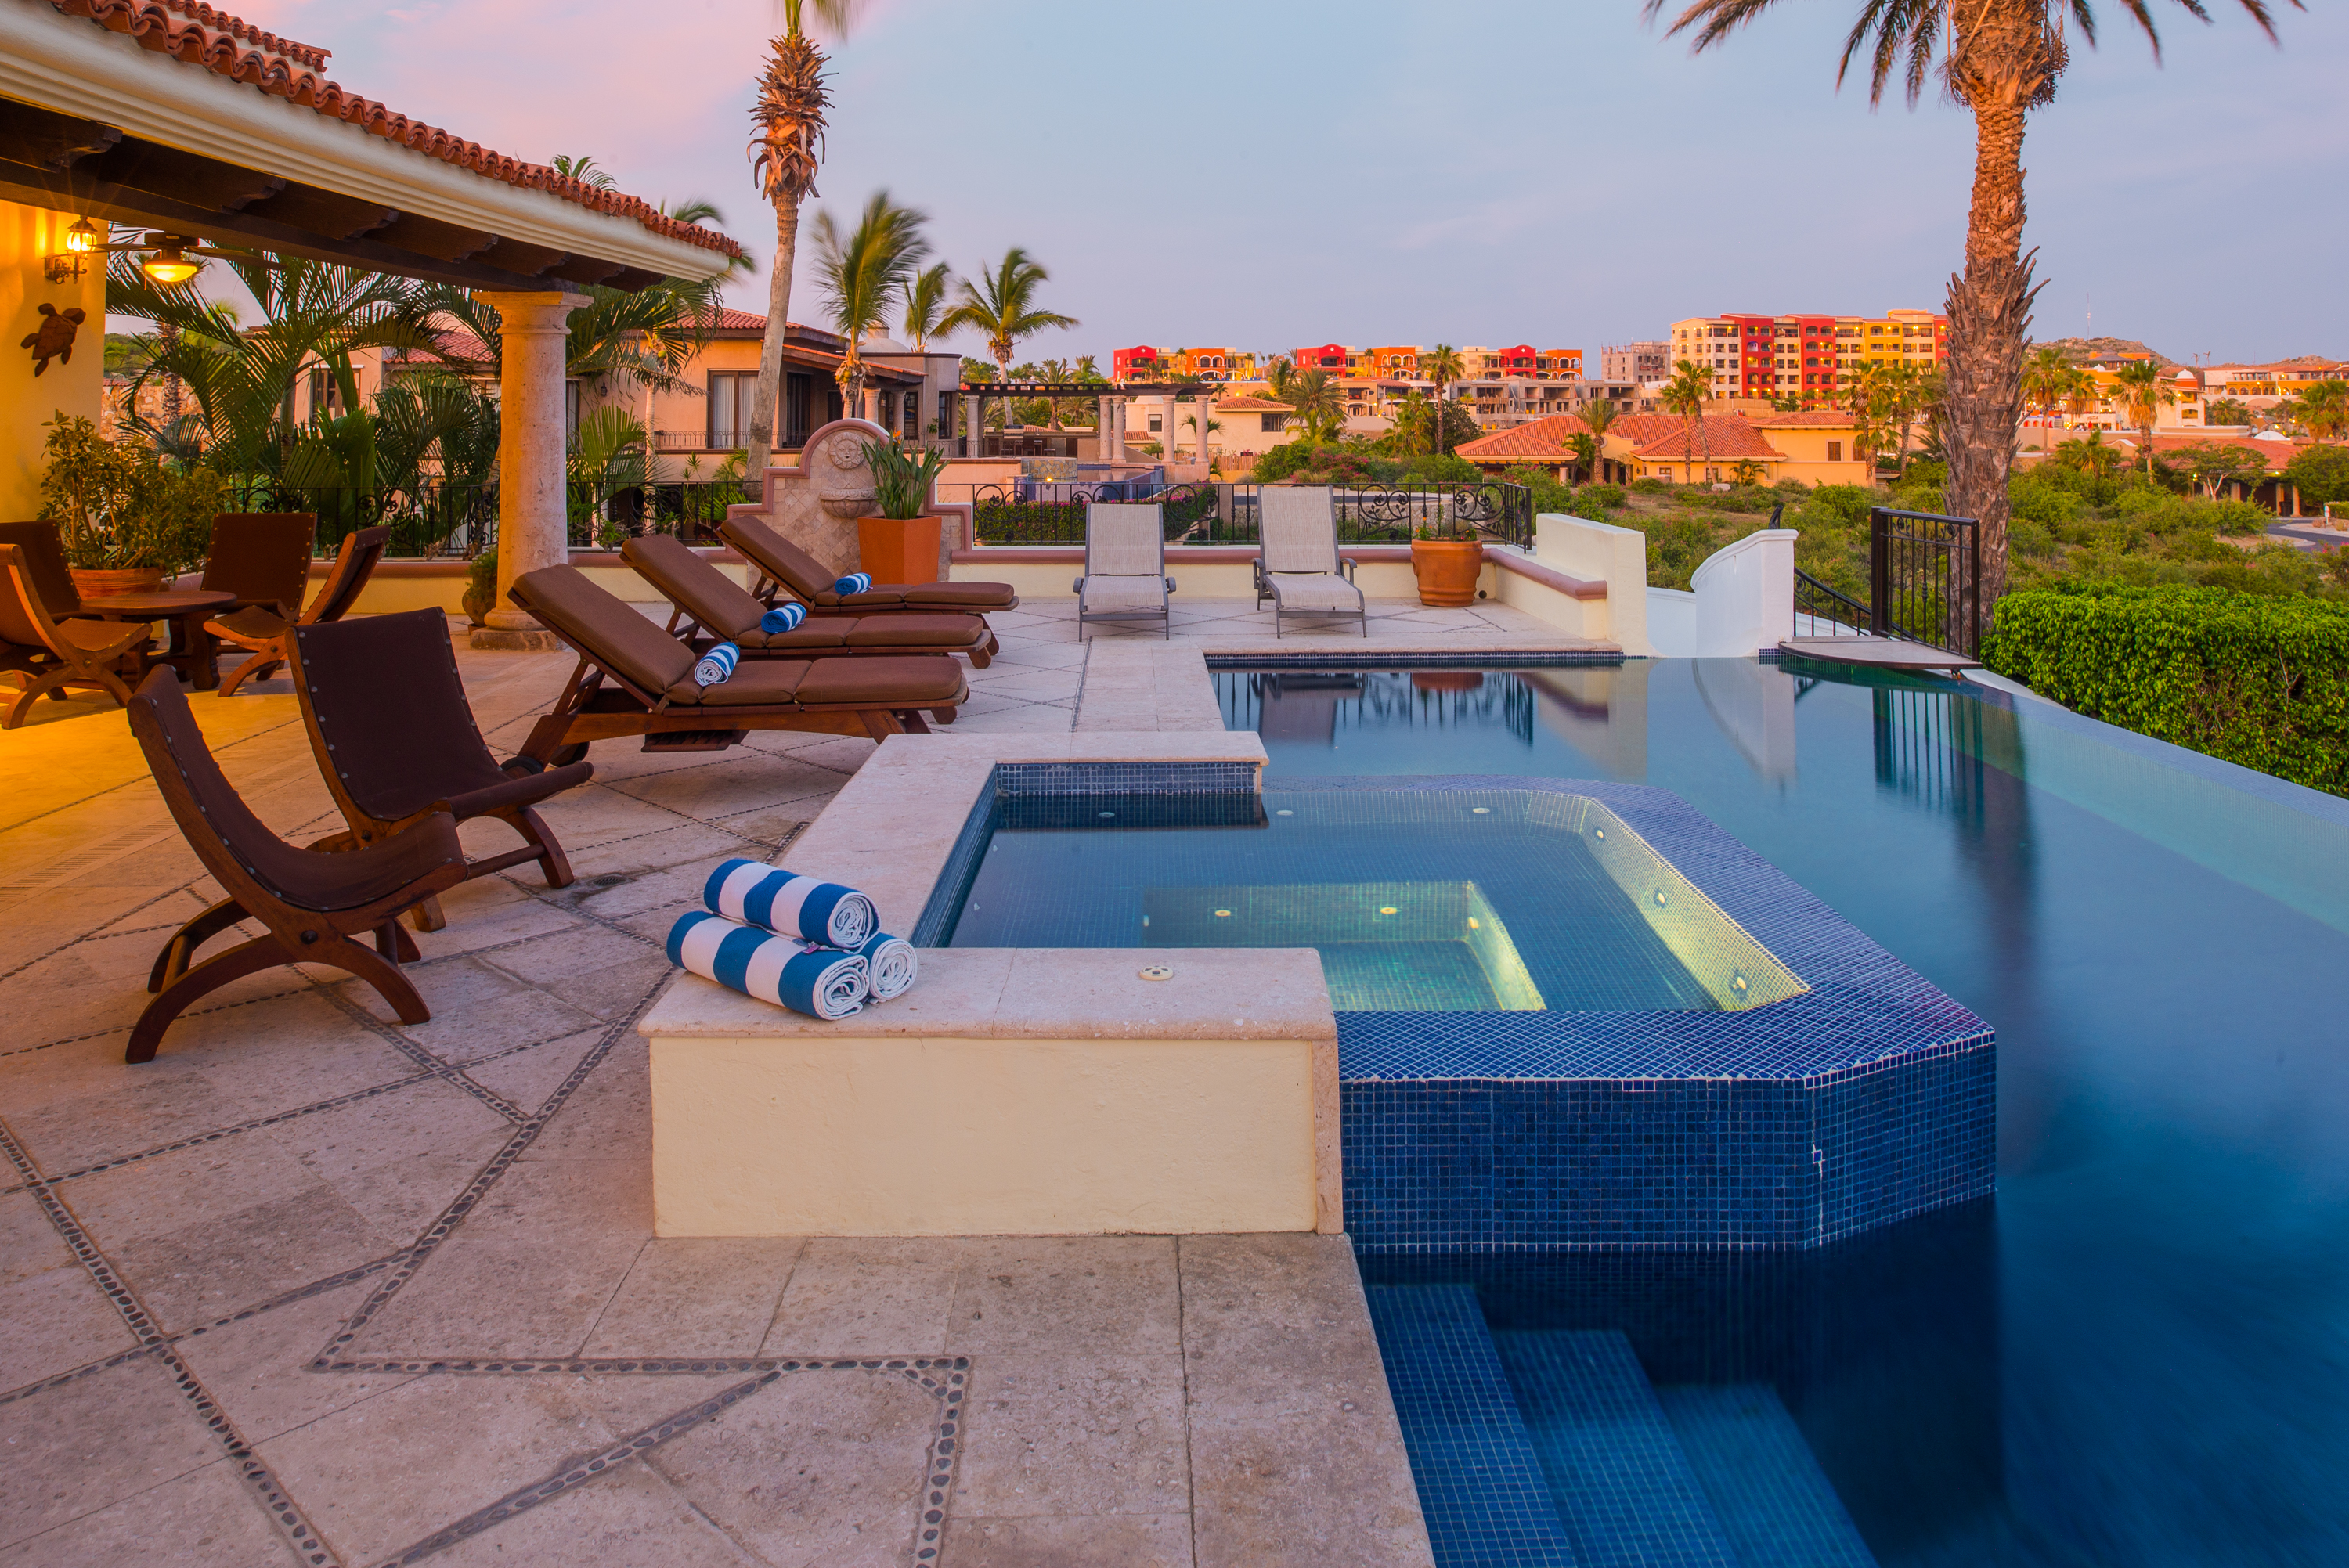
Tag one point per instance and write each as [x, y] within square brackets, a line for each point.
[317, 1287]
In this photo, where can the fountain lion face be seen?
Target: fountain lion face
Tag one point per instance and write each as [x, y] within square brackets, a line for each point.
[843, 481]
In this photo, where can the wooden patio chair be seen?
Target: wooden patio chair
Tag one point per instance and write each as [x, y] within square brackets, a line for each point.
[263, 557]
[708, 601]
[46, 653]
[1125, 566]
[1298, 564]
[636, 679]
[396, 739]
[311, 904]
[262, 632]
[784, 567]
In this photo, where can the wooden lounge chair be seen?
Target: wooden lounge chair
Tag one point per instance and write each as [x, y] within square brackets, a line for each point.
[784, 567]
[262, 632]
[49, 654]
[1125, 566]
[311, 902]
[708, 601]
[1298, 566]
[636, 679]
[396, 739]
[263, 557]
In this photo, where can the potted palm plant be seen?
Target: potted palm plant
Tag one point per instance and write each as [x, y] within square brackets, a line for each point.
[1446, 559]
[129, 524]
[901, 543]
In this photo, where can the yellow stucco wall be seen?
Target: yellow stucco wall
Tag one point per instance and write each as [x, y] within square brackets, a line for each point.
[27, 402]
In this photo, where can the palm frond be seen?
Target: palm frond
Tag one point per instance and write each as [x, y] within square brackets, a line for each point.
[787, 144]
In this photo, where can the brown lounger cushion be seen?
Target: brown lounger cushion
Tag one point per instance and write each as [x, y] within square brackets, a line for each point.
[961, 595]
[914, 680]
[694, 585]
[608, 629]
[818, 631]
[805, 576]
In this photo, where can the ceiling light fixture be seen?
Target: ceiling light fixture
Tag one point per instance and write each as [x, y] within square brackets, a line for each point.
[170, 264]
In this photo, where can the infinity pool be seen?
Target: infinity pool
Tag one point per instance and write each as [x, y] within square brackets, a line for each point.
[2138, 1352]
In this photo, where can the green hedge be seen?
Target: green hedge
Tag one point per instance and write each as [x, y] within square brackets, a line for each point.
[2258, 680]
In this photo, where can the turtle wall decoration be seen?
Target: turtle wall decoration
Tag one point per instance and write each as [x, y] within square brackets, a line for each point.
[54, 339]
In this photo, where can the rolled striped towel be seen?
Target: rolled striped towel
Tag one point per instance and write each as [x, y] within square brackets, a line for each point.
[854, 582]
[717, 665]
[788, 905]
[890, 965]
[783, 617]
[822, 982]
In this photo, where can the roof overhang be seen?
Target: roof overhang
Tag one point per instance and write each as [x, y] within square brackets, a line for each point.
[91, 121]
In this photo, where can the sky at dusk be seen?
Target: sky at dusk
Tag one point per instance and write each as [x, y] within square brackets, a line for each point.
[1292, 171]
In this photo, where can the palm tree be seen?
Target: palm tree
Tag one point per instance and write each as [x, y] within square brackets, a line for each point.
[587, 172]
[1442, 365]
[1319, 408]
[647, 337]
[2137, 389]
[863, 272]
[2323, 409]
[785, 151]
[2000, 58]
[1279, 375]
[2047, 376]
[1599, 414]
[925, 301]
[1002, 305]
[1684, 395]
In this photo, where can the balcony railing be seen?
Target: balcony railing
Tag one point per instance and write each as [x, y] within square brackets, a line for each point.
[1039, 513]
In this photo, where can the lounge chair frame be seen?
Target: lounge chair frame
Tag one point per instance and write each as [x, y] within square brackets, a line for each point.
[590, 709]
[750, 538]
[445, 766]
[229, 840]
[1270, 580]
[252, 630]
[689, 626]
[77, 653]
[1110, 561]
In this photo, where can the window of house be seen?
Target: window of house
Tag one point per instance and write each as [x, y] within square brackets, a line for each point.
[731, 397]
[1272, 422]
[1834, 451]
[884, 406]
[946, 414]
[1153, 424]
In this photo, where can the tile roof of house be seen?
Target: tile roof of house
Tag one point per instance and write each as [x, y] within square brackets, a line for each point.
[1829, 418]
[198, 35]
[1253, 406]
[1536, 440]
[1730, 435]
[2274, 453]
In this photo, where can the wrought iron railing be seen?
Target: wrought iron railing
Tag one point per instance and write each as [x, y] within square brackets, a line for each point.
[1823, 611]
[1027, 512]
[428, 520]
[1924, 574]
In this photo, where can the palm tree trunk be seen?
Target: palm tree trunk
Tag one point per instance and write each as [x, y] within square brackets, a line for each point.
[766, 395]
[1989, 316]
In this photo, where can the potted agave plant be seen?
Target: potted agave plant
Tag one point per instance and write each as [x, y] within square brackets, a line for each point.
[129, 524]
[901, 543]
[1446, 559]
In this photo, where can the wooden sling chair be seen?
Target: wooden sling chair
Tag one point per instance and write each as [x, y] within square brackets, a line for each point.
[712, 607]
[636, 679]
[47, 653]
[311, 904]
[784, 567]
[263, 557]
[262, 632]
[396, 739]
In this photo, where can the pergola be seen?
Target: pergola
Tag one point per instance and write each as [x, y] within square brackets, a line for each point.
[172, 116]
[1110, 400]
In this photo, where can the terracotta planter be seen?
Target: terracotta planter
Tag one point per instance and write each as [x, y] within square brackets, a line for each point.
[1446, 569]
[1446, 680]
[898, 549]
[99, 582]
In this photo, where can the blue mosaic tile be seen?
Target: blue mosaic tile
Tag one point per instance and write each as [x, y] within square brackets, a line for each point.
[1480, 1484]
[1774, 1504]
[1624, 1488]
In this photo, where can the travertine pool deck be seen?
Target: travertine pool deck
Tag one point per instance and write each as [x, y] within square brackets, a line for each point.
[315, 1287]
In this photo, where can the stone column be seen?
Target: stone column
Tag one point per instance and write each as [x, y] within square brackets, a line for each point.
[532, 498]
[1166, 428]
[1101, 429]
[1117, 429]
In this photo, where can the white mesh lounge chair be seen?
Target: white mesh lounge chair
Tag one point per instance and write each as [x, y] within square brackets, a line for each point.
[1125, 566]
[1298, 566]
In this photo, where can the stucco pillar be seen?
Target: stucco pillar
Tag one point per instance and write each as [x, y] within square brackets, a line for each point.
[1101, 429]
[1117, 429]
[1166, 428]
[533, 528]
[1206, 418]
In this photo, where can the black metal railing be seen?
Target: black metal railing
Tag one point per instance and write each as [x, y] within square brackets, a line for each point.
[1924, 577]
[1823, 611]
[428, 520]
[1034, 511]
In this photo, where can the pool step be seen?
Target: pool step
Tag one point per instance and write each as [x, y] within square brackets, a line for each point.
[1480, 1481]
[1627, 1494]
[1774, 1503]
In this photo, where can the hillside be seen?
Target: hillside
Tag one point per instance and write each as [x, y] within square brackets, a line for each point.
[2088, 350]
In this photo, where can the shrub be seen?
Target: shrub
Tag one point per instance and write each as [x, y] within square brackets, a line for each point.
[2321, 473]
[2036, 498]
[1605, 498]
[1848, 502]
[1445, 469]
[1652, 486]
[118, 505]
[2259, 681]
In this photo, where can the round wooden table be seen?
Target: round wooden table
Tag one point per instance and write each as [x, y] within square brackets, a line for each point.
[192, 651]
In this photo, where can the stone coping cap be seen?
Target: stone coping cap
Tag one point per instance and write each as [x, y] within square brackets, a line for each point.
[1045, 994]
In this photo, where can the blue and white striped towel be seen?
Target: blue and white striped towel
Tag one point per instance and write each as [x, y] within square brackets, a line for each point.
[790, 905]
[822, 982]
[854, 582]
[890, 965]
[784, 617]
[717, 665]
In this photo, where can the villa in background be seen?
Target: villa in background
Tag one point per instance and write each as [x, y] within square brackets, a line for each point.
[1637, 362]
[1805, 357]
[2263, 387]
[1818, 446]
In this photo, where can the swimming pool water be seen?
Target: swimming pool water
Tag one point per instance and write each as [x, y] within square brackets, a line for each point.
[2135, 1354]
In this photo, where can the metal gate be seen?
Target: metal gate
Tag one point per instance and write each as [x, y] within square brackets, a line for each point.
[1924, 577]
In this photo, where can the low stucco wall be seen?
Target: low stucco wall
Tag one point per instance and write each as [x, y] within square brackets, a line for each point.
[1603, 552]
[1740, 601]
[849, 1135]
